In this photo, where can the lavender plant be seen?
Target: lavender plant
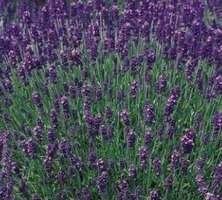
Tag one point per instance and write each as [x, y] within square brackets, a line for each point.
[110, 99]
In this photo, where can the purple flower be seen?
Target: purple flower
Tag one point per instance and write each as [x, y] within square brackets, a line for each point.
[36, 99]
[53, 118]
[75, 163]
[157, 166]
[27, 17]
[73, 91]
[98, 93]
[172, 101]
[125, 117]
[150, 57]
[211, 196]
[148, 137]
[190, 68]
[65, 147]
[217, 178]
[101, 165]
[8, 165]
[106, 132]
[52, 135]
[102, 182]
[199, 80]
[122, 164]
[48, 166]
[38, 132]
[217, 122]
[148, 76]
[109, 112]
[187, 140]
[132, 171]
[51, 150]
[7, 83]
[122, 186]
[143, 153]
[23, 188]
[30, 147]
[218, 84]
[53, 74]
[6, 191]
[154, 195]
[3, 140]
[120, 95]
[168, 182]
[57, 104]
[149, 114]
[171, 127]
[131, 138]
[86, 90]
[92, 158]
[86, 195]
[199, 165]
[161, 84]
[65, 104]
[184, 164]
[175, 159]
[201, 184]
[103, 131]
[134, 88]
[61, 177]
[76, 57]
[143, 156]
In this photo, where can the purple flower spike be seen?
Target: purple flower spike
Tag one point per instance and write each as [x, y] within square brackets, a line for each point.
[143, 156]
[122, 186]
[36, 99]
[134, 88]
[53, 74]
[217, 122]
[132, 171]
[154, 195]
[65, 104]
[131, 138]
[172, 101]
[157, 166]
[52, 135]
[150, 57]
[218, 85]
[65, 147]
[125, 117]
[101, 165]
[168, 182]
[149, 114]
[102, 182]
[187, 140]
[171, 127]
[148, 137]
[175, 159]
[211, 196]
[53, 118]
[201, 184]
[29, 147]
[38, 132]
[217, 178]
[161, 84]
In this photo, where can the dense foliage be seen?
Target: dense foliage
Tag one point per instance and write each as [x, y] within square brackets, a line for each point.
[111, 100]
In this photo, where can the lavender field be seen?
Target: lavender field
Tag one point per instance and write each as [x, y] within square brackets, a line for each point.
[111, 100]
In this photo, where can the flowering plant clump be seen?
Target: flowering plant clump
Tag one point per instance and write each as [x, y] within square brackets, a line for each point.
[111, 99]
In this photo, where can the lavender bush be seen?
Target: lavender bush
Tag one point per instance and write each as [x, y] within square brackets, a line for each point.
[111, 99]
